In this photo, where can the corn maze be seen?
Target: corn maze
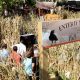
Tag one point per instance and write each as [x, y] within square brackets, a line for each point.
[64, 58]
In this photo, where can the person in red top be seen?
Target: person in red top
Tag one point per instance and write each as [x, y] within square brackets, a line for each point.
[14, 56]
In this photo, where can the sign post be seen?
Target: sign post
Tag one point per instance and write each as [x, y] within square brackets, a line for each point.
[42, 59]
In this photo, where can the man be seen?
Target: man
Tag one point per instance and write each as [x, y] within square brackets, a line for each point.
[21, 48]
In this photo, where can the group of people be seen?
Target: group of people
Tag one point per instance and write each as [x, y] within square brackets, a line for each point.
[21, 56]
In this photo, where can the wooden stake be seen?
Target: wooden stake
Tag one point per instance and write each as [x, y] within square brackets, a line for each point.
[42, 58]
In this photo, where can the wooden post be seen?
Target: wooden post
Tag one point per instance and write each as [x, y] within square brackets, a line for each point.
[42, 58]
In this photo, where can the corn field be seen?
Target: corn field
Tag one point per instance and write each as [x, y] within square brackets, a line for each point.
[63, 58]
[8, 72]
[10, 30]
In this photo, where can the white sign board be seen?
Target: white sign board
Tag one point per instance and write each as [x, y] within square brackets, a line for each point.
[60, 31]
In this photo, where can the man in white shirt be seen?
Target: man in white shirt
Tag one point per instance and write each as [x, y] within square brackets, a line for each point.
[21, 49]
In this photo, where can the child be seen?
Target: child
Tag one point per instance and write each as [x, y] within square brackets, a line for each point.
[15, 57]
[27, 64]
[4, 53]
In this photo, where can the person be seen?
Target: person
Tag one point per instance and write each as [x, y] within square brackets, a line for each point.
[35, 51]
[27, 64]
[21, 48]
[15, 57]
[35, 63]
[4, 52]
[53, 37]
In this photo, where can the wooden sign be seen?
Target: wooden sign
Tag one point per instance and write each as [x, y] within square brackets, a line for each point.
[60, 32]
[51, 17]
